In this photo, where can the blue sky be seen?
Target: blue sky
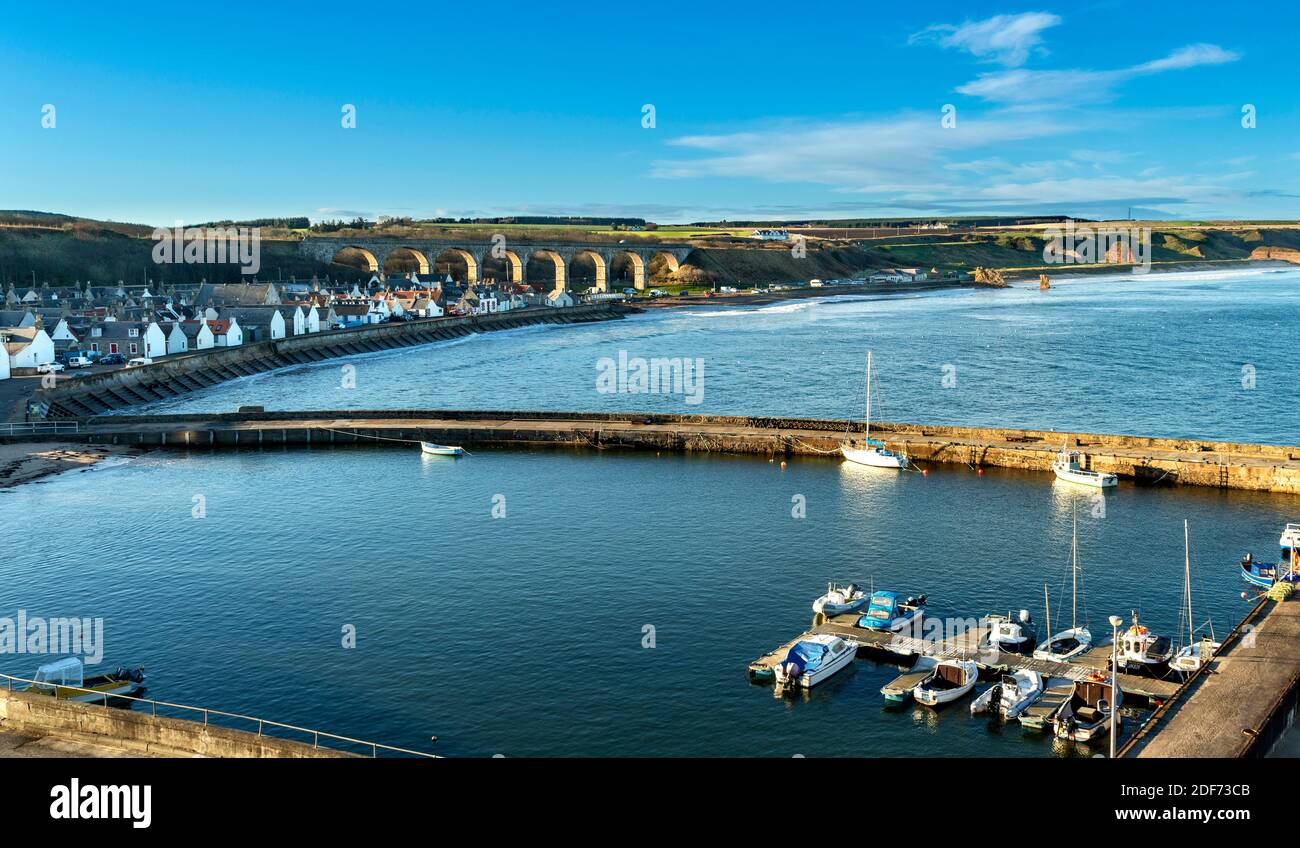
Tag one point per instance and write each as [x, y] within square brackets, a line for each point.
[762, 110]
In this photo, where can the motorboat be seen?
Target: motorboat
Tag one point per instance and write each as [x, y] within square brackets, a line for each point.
[1068, 466]
[1085, 716]
[1142, 651]
[948, 681]
[1011, 695]
[1286, 569]
[871, 451]
[441, 450]
[892, 611]
[1005, 635]
[66, 680]
[813, 660]
[839, 600]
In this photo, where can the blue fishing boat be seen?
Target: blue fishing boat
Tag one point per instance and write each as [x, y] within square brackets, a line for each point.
[891, 611]
[1286, 569]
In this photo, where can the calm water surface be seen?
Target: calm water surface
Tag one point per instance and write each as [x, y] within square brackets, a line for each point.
[523, 635]
[1161, 355]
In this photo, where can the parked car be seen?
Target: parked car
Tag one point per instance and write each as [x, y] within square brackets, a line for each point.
[630, 291]
[683, 293]
[78, 361]
[137, 361]
[49, 368]
[112, 359]
[657, 292]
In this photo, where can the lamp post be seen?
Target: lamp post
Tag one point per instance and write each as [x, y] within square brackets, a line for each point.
[1115, 622]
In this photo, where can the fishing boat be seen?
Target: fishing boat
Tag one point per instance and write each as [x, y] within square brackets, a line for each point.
[1068, 466]
[892, 611]
[1141, 651]
[948, 681]
[66, 679]
[871, 451]
[441, 450]
[1070, 643]
[1011, 695]
[813, 660]
[841, 599]
[1195, 653]
[1007, 636]
[1085, 716]
[1286, 569]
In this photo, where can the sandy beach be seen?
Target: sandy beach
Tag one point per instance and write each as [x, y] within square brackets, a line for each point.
[23, 462]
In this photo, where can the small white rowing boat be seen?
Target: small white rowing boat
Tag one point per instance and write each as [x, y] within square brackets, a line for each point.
[1010, 696]
[441, 450]
[950, 680]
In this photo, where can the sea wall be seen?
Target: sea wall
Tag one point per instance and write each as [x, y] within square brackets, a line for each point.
[1218, 464]
[143, 733]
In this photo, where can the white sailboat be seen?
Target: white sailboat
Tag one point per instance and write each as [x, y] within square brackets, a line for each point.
[1195, 653]
[872, 451]
[1068, 644]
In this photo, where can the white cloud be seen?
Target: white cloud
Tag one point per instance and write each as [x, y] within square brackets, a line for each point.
[1024, 86]
[1005, 39]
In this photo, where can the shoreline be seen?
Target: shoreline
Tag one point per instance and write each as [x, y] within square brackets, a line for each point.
[1062, 272]
[29, 462]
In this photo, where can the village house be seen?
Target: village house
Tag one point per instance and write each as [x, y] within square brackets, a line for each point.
[198, 335]
[4, 356]
[351, 313]
[236, 294]
[258, 324]
[177, 341]
[129, 338]
[560, 299]
[226, 332]
[27, 347]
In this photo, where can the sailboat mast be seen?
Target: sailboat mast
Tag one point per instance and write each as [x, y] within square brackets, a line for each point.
[1074, 575]
[1047, 603]
[1187, 580]
[866, 427]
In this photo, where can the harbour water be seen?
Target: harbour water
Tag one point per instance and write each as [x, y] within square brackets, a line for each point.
[530, 633]
[1185, 355]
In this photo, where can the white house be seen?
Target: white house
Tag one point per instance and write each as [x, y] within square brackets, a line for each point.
[4, 356]
[268, 321]
[425, 306]
[198, 335]
[27, 347]
[62, 332]
[297, 320]
[560, 299]
[227, 332]
[177, 341]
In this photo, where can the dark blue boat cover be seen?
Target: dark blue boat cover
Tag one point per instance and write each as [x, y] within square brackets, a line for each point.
[806, 655]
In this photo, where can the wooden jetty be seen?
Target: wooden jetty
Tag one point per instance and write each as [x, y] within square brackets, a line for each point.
[965, 645]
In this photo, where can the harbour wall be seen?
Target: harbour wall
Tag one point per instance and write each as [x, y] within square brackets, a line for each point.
[143, 733]
[1217, 464]
[179, 375]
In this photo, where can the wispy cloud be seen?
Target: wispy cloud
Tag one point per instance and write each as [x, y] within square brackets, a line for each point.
[1026, 86]
[1005, 39]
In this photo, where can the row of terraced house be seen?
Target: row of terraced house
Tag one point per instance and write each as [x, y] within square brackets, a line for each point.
[48, 324]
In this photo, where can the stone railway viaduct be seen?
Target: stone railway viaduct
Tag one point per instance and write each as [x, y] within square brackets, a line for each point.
[515, 256]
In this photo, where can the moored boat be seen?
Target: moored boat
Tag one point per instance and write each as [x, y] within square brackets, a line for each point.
[1141, 651]
[1068, 466]
[813, 660]
[66, 680]
[892, 611]
[1007, 636]
[1077, 639]
[839, 600]
[871, 451]
[441, 450]
[949, 681]
[1085, 716]
[1191, 656]
[1286, 569]
[1011, 695]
